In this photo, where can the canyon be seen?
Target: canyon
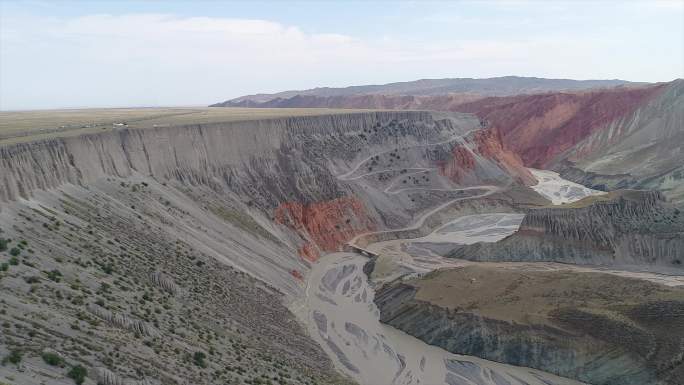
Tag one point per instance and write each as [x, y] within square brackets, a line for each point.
[601, 136]
[509, 231]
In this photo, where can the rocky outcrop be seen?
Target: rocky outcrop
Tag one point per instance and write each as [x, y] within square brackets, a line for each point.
[491, 146]
[124, 321]
[461, 161]
[485, 144]
[195, 154]
[165, 282]
[540, 127]
[325, 225]
[599, 329]
[640, 150]
[611, 138]
[624, 227]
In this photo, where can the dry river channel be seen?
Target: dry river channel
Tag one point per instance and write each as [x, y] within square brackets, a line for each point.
[340, 315]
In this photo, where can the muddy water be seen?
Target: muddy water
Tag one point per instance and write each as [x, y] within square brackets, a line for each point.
[340, 314]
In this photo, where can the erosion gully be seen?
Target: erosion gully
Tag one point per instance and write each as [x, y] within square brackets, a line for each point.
[339, 312]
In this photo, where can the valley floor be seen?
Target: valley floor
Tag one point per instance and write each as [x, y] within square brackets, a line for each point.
[339, 311]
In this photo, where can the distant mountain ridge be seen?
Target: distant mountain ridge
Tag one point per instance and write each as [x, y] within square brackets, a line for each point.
[498, 86]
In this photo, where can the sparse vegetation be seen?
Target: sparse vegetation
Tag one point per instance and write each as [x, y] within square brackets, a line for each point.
[78, 373]
[54, 275]
[52, 359]
[199, 359]
[14, 357]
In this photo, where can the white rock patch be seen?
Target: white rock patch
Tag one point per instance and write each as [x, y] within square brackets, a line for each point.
[559, 190]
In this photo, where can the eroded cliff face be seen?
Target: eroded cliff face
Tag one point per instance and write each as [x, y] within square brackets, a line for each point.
[539, 127]
[113, 223]
[640, 150]
[623, 227]
[628, 137]
[283, 172]
[194, 154]
[562, 322]
[190, 237]
[326, 226]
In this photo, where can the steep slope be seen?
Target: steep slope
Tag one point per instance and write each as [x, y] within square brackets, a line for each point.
[540, 127]
[644, 149]
[507, 85]
[595, 327]
[110, 278]
[621, 228]
[125, 236]
[624, 137]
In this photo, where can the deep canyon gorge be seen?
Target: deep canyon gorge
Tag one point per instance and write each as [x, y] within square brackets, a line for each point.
[517, 231]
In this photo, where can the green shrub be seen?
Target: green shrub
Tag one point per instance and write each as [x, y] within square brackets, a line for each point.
[4, 267]
[52, 359]
[54, 275]
[15, 251]
[198, 359]
[78, 373]
[14, 357]
[3, 244]
[108, 269]
[13, 261]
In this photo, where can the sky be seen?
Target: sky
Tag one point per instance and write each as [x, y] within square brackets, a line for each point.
[73, 54]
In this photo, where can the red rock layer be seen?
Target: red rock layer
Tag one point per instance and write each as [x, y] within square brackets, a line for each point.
[489, 145]
[537, 127]
[461, 161]
[309, 251]
[540, 127]
[326, 225]
[297, 275]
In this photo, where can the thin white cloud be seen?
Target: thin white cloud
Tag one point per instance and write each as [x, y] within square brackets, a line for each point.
[157, 59]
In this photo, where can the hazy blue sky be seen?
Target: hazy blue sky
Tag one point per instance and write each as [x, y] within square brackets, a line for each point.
[101, 54]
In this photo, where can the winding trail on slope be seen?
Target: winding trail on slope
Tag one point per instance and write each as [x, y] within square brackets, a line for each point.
[421, 220]
[339, 312]
[489, 189]
[347, 176]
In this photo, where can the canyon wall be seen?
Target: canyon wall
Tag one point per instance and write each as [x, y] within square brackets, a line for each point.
[624, 227]
[624, 137]
[561, 322]
[539, 127]
[281, 172]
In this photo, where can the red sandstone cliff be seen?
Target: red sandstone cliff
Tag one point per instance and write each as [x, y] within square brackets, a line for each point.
[325, 225]
[540, 127]
[536, 127]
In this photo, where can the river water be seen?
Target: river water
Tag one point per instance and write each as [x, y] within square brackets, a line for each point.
[339, 311]
[340, 315]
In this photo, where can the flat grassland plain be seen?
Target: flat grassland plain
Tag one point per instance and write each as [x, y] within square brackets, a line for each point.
[25, 126]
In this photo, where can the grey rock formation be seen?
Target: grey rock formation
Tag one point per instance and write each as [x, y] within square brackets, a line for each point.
[165, 282]
[622, 228]
[576, 336]
[643, 150]
[165, 252]
[123, 321]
